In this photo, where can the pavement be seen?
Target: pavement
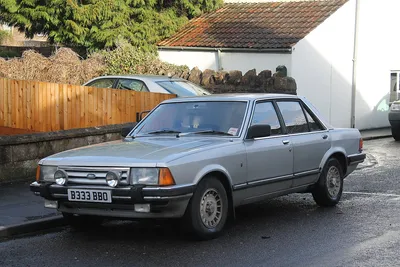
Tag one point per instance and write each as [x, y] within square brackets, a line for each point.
[22, 212]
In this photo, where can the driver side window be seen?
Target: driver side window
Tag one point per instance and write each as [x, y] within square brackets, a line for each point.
[265, 113]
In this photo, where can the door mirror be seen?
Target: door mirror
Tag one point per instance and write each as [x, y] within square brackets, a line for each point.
[259, 130]
[125, 131]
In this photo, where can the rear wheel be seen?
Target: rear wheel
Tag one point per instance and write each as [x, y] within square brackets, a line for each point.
[82, 222]
[329, 187]
[396, 133]
[208, 209]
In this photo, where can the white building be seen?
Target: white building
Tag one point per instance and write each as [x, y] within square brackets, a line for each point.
[339, 51]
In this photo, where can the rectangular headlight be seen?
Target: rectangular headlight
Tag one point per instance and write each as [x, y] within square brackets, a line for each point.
[147, 176]
[47, 173]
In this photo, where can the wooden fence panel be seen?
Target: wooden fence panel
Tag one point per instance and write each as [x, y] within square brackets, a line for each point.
[44, 107]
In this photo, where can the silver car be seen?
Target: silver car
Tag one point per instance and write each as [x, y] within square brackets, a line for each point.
[149, 83]
[199, 158]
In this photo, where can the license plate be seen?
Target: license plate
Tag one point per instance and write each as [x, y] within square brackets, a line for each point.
[86, 195]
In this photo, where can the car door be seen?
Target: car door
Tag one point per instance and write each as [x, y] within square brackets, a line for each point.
[132, 84]
[269, 159]
[309, 138]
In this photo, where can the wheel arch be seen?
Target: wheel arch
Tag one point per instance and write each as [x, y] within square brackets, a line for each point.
[222, 176]
[339, 154]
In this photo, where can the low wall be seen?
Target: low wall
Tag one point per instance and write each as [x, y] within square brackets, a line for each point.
[19, 154]
[219, 82]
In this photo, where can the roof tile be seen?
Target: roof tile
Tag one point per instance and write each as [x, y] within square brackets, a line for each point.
[255, 25]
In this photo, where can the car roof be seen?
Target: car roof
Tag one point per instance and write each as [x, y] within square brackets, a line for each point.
[141, 76]
[232, 97]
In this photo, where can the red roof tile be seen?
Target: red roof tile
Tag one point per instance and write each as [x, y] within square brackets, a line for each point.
[254, 25]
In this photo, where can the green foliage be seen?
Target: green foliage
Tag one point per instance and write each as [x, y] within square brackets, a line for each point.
[127, 59]
[4, 35]
[98, 24]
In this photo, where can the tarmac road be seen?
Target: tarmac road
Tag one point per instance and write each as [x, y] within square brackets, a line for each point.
[363, 230]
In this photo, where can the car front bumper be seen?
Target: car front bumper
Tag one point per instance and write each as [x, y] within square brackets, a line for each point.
[394, 119]
[165, 202]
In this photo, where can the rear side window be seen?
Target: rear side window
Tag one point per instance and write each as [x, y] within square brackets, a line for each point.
[102, 83]
[265, 113]
[293, 116]
[183, 88]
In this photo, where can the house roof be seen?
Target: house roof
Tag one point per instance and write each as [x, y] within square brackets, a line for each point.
[267, 25]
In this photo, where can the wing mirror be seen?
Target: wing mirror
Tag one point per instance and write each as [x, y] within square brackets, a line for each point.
[125, 131]
[259, 130]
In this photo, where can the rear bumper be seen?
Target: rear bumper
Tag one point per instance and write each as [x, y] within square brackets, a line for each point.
[165, 202]
[356, 159]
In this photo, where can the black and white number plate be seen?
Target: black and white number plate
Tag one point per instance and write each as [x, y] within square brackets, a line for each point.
[86, 195]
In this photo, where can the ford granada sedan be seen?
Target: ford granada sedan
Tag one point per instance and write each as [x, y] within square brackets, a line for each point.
[199, 158]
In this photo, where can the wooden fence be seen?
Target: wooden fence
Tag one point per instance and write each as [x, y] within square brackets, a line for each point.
[44, 107]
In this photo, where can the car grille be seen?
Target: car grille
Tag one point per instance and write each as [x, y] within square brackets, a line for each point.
[80, 175]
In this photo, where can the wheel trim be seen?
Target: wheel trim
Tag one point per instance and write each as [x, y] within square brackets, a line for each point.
[333, 181]
[211, 208]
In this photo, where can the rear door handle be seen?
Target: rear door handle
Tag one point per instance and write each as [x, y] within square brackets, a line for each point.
[285, 142]
[324, 136]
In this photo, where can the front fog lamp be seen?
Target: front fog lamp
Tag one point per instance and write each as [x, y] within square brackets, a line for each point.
[112, 179]
[60, 177]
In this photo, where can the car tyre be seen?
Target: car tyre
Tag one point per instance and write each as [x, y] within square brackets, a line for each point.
[82, 222]
[207, 210]
[396, 133]
[329, 187]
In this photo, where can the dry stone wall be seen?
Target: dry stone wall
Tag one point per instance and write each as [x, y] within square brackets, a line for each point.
[236, 82]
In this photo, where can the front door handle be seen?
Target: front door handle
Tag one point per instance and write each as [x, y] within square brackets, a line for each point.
[285, 142]
[324, 136]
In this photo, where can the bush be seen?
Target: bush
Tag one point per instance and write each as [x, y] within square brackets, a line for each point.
[4, 35]
[127, 59]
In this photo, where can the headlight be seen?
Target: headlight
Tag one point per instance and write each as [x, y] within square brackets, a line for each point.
[151, 176]
[60, 177]
[148, 176]
[47, 173]
[395, 106]
[112, 178]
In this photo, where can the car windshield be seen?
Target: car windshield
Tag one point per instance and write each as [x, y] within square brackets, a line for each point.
[185, 119]
[183, 88]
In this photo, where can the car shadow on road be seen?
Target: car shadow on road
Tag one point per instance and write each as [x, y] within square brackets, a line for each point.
[260, 219]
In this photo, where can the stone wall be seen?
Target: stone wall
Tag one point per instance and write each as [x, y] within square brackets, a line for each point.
[19, 154]
[250, 82]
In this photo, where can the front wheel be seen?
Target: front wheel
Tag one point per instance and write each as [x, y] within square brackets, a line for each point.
[329, 187]
[208, 209]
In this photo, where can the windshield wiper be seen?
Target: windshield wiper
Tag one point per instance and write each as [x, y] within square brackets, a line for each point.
[206, 132]
[164, 131]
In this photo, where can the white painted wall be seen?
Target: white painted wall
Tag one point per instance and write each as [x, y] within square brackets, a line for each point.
[378, 53]
[229, 60]
[322, 66]
[202, 60]
[258, 61]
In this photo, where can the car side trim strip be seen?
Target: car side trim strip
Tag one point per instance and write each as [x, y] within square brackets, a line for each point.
[274, 179]
[306, 173]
